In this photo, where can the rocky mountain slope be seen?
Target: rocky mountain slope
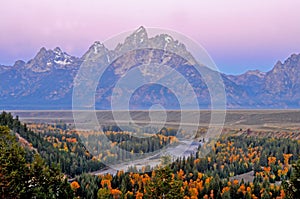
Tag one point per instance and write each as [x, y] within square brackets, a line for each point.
[47, 80]
[277, 88]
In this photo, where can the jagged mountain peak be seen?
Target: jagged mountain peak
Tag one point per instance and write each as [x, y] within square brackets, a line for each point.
[167, 42]
[293, 60]
[98, 43]
[56, 51]
[141, 29]
[294, 56]
[48, 77]
[138, 39]
[139, 35]
[97, 49]
[59, 52]
[256, 72]
[43, 49]
[46, 60]
[19, 63]
[288, 66]
[279, 63]
[41, 52]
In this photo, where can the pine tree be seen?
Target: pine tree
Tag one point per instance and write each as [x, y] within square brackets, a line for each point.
[18, 179]
[163, 185]
[292, 187]
[13, 170]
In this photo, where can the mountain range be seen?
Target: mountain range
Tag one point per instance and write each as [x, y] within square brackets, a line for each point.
[47, 81]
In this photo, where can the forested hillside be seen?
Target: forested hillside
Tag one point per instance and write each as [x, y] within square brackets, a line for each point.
[210, 177]
[71, 163]
[239, 165]
[20, 179]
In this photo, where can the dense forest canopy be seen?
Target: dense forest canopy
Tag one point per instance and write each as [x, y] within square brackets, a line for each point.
[38, 164]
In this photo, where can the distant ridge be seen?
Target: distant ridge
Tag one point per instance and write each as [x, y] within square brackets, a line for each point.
[46, 81]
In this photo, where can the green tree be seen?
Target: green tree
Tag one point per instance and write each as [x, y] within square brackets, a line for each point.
[292, 187]
[166, 160]
[89, 185]
[164, 185]
[47, 182]
[13, 170]
[103, 193]
[19, 179]
[226, 195]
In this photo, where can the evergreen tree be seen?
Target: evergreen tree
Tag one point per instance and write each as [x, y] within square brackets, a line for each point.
[19, 179]
[163, 185]
[292, 187]
[13, 170]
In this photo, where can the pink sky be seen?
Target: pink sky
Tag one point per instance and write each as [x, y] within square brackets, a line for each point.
[238, 34]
